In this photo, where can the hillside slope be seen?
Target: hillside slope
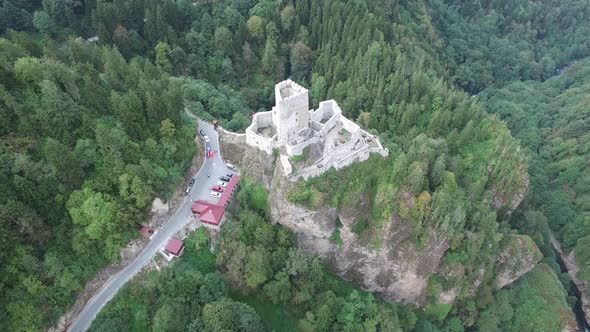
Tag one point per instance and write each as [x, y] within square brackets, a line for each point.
[92, 130]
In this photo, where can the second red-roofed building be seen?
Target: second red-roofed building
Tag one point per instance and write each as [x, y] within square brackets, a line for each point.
[175, 246]
[211, 214]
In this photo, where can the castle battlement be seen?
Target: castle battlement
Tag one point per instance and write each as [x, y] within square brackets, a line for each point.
[291, 126]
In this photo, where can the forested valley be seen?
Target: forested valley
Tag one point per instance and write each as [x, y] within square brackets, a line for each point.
[480, 104]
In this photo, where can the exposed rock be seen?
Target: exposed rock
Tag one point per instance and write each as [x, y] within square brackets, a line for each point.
[315, 224]
[398, 270]
[511, 200]
[159, 207]
[455, 272]
[448, 297]
[251, 162]
[518, 257]
[393, 264]
[477, 281]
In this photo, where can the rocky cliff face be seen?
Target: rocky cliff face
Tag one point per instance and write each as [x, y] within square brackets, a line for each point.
[251, 162]
[517, 257]
[397, 270]
[396, 267]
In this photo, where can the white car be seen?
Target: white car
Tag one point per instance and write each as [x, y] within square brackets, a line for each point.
[232, 167]
[222, 184]
[206, 139]
[215, 194]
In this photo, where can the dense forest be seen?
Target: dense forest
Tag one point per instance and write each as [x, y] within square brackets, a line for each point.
[551, 119]
[262, 262]
[92, 128]
[492, 43]
[87, 140]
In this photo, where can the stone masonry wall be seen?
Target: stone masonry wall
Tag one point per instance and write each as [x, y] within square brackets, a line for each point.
[265, 144]
[290, 113]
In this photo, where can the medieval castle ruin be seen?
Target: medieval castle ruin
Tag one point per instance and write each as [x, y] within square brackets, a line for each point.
[309, 142]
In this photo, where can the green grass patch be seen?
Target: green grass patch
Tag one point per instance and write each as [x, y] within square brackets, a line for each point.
[335, 237]
[307, 196]
[274, 317]
[303, 157]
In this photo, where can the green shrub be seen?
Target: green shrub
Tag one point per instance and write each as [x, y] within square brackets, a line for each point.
[360, 226]
[335, 237]
[437, 311]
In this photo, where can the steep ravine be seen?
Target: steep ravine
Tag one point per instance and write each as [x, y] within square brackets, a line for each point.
[568, 264]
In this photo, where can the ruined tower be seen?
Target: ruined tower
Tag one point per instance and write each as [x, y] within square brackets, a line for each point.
[291, 113]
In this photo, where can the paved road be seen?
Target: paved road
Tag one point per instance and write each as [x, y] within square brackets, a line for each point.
[215, 167]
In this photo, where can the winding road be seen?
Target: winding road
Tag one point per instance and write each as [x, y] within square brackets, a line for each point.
[215, 167]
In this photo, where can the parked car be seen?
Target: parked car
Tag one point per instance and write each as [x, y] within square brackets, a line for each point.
[222, 184]
[208, 146]
[202, 133]
[215, 194]
[229, 175]
[224, 178]
[217, 188]
[206, 138]
[232, 167]
[209, 154]
[189, 187]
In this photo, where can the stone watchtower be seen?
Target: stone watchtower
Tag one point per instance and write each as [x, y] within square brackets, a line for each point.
[291, 113]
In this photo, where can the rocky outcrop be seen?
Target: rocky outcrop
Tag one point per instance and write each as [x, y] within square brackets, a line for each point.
[159, 207]
[391, 263]
[251, 162]
[503, 198]
[519, 256]
[398, 270]
[318, 224]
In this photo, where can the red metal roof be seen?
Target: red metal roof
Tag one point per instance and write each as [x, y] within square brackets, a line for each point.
[200, 206]
[175, 246]
[212, 213]
[209, 213]
[228, 190]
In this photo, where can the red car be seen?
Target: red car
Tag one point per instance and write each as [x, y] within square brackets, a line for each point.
[217, 188]
[209, 154]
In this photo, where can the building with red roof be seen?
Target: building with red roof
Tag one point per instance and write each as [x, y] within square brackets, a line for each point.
[175, 246]
[229, 190]
[211, 214]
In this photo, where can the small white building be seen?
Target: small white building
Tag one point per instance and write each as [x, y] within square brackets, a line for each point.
[291, 126]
